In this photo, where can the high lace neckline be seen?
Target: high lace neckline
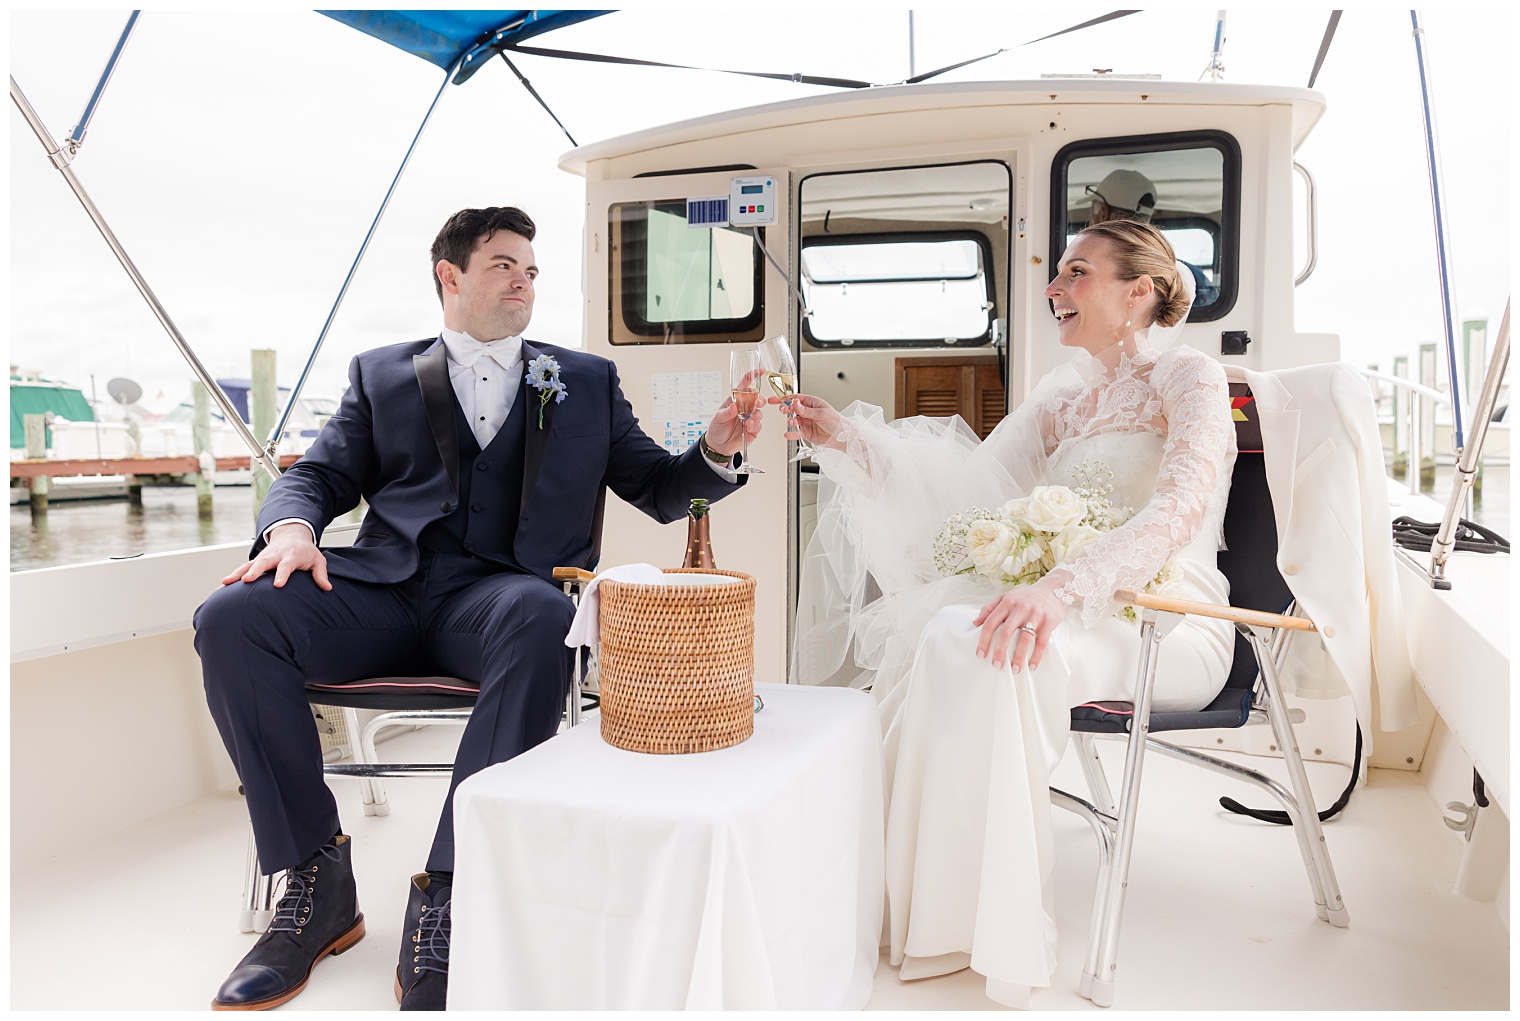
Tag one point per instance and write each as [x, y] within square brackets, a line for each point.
[1117, 361]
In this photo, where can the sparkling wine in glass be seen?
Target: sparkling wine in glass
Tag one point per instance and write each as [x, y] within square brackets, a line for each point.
[744, 374]
[781, 374]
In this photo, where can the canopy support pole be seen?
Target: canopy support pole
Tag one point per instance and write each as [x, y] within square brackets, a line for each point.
[1438, 210]
[61, 161]
[76, 137]
[272, 442]
[1467, 463]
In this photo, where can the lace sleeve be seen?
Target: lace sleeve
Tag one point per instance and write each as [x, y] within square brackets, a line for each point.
[1191, 483]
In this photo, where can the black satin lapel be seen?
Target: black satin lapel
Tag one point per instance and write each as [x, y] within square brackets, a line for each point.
[536, 439]
[438, 400]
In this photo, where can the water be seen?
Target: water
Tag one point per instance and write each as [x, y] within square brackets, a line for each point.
[77, 532]
[81, 531]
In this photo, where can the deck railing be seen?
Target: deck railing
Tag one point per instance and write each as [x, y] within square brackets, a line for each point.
[1414, 407]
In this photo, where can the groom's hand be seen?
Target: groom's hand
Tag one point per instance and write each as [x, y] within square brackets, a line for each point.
[290, 549]
[725, 431]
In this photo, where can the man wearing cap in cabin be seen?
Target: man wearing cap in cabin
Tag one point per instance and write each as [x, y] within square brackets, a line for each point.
[484, 458]
[1130, 195]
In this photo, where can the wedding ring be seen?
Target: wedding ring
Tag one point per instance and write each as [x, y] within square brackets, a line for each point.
[1026, 626]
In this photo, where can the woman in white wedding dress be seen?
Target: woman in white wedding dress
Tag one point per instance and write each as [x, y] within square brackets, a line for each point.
[976, 681]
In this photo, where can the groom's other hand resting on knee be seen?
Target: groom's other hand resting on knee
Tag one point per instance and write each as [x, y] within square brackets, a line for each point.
[291, 548]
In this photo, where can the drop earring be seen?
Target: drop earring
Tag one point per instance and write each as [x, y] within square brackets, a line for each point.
[1132, 310]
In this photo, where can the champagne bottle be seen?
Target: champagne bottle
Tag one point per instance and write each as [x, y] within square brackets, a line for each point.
[698, 542]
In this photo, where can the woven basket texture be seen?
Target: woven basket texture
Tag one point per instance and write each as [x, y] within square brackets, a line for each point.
[678, 664]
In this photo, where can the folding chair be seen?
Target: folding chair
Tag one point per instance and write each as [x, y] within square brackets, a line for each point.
[402, 701]
[1252, 694]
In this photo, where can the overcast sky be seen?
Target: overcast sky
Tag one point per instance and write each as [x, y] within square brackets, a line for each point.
[241, 157]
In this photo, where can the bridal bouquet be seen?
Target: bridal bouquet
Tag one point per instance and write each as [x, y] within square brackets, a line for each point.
[1019, 542]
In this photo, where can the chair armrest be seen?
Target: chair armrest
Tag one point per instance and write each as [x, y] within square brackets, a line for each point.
[1233, 613]
[575, 574]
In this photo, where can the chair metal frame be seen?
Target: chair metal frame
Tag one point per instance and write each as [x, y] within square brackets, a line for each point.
[1114, 826]
[259, 890]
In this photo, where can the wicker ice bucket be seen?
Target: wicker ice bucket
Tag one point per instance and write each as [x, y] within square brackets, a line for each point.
[678, 663]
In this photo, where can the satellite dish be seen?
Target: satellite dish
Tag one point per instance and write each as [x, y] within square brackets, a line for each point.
[124, 391]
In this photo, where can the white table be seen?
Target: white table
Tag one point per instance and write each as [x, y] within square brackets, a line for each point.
[746, 878]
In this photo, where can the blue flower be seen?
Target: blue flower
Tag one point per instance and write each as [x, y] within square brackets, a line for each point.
[543, 376]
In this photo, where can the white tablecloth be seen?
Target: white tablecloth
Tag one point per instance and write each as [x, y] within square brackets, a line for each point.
[751, 877]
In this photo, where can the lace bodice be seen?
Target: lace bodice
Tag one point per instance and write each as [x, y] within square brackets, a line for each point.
[1162, 426]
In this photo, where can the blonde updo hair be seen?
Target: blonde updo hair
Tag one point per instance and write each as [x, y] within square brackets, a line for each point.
[1140, 250]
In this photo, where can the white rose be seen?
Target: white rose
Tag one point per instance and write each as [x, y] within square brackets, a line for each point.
[1070, 539]
[988, 543]
[1052, 508]
[1015, 509]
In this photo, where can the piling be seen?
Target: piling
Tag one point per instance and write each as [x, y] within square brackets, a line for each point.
[1427, 422]
[1401, 398]
[36, 448]
[200, 433]
[1475, 364]
[263, 406]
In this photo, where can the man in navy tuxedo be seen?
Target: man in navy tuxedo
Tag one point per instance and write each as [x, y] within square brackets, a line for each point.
[484, 459]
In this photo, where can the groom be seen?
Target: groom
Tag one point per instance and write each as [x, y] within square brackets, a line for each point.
[484, 459]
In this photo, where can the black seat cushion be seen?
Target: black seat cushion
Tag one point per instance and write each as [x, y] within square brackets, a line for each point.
[396, 693]
[1249, 562]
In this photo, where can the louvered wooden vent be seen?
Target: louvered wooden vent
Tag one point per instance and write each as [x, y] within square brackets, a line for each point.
[967, 386]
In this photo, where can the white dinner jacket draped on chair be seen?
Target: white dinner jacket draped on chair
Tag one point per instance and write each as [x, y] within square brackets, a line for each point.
[1324, 460]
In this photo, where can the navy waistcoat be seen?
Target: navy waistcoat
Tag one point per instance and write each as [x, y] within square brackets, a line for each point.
[484, 521]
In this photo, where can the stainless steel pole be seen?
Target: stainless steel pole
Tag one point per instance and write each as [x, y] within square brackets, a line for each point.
[61, 161]
[1438, 210]
[1467, 464]
[76, 137]
[295, 394]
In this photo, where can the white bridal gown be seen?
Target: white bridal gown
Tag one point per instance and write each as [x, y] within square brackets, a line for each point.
[969, 746]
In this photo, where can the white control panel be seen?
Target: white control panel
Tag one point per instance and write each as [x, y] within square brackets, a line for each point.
[751, 201]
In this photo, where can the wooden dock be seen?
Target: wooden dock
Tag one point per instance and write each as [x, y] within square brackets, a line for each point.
[32, 468]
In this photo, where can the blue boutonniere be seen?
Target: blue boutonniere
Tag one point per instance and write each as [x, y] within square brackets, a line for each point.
[543, 376]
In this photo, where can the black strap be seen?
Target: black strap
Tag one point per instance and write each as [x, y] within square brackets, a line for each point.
[1281, 818]
[1110, 16]
[1471, 537]
[1324, 46]
[602, 58]
[534, 93]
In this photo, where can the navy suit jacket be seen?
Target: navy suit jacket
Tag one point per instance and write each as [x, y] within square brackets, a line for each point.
[394, 442]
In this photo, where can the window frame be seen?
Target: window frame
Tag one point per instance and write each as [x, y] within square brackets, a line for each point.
[635, 236]
[984, 246]
[1228, 241]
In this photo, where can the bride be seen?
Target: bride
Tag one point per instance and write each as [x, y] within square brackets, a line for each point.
[975, 681]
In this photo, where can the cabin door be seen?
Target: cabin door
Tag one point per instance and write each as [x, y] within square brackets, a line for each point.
[668, 302]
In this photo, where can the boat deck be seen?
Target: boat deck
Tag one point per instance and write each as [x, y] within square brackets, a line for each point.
[1219, 914]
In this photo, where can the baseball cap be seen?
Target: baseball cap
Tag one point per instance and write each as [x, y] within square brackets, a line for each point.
[1128, 190]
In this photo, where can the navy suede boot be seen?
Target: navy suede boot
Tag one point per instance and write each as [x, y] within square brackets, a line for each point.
[317, 915]
[422, 976]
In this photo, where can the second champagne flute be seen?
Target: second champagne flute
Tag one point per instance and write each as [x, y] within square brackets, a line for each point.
[744, 374]
[781, 373]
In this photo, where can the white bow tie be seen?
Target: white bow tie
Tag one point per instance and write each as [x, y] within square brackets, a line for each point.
[476, 351]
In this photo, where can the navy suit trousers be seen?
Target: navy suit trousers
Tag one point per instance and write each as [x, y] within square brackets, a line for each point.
[457, 616]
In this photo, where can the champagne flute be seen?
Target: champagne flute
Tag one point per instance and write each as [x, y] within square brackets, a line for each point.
[744, 374]
[781, 373]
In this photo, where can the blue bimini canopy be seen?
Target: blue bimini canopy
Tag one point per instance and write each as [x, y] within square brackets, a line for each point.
[469, 38]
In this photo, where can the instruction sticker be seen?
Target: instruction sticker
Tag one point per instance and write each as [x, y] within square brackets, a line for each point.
[683, 402]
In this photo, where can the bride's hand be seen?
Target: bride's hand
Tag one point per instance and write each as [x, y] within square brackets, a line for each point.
[813, 419]
[999, 620]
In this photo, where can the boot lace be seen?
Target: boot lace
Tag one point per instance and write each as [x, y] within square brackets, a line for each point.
[432, 939]
[294, 908]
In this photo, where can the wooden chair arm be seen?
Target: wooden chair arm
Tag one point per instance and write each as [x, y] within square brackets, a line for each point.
[573, 574]
[1231, 613]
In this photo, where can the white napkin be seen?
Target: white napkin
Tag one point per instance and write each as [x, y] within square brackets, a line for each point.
[586, 628]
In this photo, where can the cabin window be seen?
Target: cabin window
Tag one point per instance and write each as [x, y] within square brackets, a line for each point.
[1186, 184]
[898, 289]
[674, 283]
[904, 256]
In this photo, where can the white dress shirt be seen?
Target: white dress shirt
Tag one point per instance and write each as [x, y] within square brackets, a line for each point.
[486, 378]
